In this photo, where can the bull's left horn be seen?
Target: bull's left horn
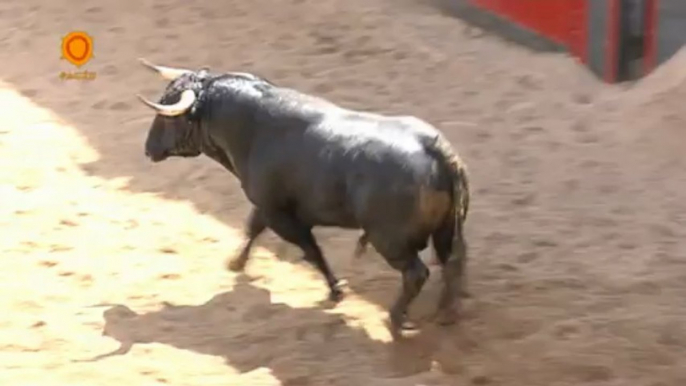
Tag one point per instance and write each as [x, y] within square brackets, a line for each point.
[167, 73]
[187, 99]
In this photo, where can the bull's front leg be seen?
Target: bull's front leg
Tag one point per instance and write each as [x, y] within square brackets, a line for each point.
[292, 230]
[255, 225]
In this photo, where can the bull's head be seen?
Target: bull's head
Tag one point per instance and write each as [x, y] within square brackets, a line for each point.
[172, 133]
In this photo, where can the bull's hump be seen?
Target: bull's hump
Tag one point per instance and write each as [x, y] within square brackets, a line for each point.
[355, 136]
[354, 129]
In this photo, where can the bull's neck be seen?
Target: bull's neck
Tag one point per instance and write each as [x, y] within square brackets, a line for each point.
[230, 124]
[229, 144]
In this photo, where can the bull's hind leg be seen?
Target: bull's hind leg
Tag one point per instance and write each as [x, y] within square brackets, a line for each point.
[453, 270]
[415, 274]
[293, 231]
[361, 247]
[254, 227]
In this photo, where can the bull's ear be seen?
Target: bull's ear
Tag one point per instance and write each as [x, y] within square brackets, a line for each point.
[203, 72]
[197, 106]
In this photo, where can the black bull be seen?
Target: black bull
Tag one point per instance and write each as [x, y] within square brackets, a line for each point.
[303, 161]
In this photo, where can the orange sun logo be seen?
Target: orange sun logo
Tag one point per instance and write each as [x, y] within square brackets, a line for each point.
[77, 48]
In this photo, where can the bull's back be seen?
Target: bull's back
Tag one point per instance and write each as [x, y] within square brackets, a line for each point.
[360, 170]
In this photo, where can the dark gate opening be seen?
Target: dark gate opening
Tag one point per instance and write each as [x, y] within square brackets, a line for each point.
[631, 47]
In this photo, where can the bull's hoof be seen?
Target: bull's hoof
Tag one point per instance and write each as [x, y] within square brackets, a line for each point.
[409, 327]
[396, 332]
[447, 316]
[395, 328]
[404, 329]
[236, 265]
[336, 293]
[401, 327]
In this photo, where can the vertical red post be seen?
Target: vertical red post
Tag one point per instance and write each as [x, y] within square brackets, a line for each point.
[650, 36]
[612, 41]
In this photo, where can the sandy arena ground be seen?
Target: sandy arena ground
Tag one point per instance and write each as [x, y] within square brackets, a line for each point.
[112, 268]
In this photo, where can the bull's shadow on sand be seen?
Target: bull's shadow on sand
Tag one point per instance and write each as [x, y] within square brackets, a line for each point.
[299, 345]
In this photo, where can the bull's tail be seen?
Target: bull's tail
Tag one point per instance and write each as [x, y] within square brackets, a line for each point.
[454, 247]
[441, 149]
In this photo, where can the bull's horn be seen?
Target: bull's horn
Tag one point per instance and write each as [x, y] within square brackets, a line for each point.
[243, 74]
[178, 108]
[167, 73]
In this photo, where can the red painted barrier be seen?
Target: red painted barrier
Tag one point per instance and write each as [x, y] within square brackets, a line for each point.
[614, 38]
[577, 28]
[649, 38]
[562, 21]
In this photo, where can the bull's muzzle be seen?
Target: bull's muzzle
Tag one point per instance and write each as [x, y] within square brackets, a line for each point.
[156, 157]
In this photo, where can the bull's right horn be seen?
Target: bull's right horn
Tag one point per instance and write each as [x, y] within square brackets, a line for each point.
[167, 73]
[187, 99]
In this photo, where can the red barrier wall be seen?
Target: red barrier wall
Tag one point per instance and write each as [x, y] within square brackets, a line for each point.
[562, 21]
[650, 45]
[614, 38]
